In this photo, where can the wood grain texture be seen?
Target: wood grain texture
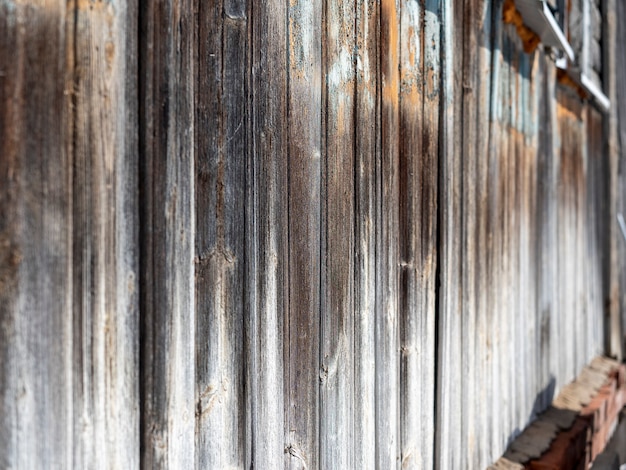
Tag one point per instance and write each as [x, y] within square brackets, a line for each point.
[167, 235]
[302, 331]
[418, 147]
[267, 240]
[36, 348]
[220, 244]
[304, 234]
[337, 340]
[411, 108]
[102, 56]
[610, 37]
[484, 189]
[387, 315]
[619, 100]
[427, 251]
[367, 153]
[450, 387]
[498, 378]
[469, 231]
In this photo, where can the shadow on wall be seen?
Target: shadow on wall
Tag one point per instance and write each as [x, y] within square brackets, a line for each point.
[541, 403]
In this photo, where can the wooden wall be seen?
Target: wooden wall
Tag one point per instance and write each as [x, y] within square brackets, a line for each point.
[303, 234]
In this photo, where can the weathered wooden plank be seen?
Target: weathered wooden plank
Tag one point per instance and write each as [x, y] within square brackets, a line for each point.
[526, 207]
[583, 277]
[508, 320]
[337, 316]
[419, 107]
[449, 387]
[618, 100]
[167, 234]
[536, 388]
[428, 246]
[611, 81]
[418, 147]
[411, 168]
[221, 148]
[267, 247]
[571, 180]
[484, 340]
[387, 340]
[548, 279]
[304, 163]
[516, 160]
[105, 227]
[35, 238]
[597, 208]
[545, 219]
[367, 153]
[469, 231]
[494, 191]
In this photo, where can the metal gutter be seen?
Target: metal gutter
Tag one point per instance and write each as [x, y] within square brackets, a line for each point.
[600, 98]
[538, 16]
[588, 85]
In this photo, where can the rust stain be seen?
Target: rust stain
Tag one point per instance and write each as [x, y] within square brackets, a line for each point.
[565, 112]
[411, 92]
[412, 54]
[109, 51]
[511, 15]
[564, 79]
[390, 71]
[341, 117]
[295, 50]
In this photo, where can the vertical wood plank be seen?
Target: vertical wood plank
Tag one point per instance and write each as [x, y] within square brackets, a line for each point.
[619, 64]
[167, 234]
[494, 194]
[597, 230]
[220, 244]
[611, 76]
[541, 382]
[506, 218]
[338, 314]
[411, 164]
[525, 191]
[387, 318]
[419, 107]
[514, 164]
[367, 153]
[449, 388]
[105, 226]
[544, 281]
[484, 340]
[304, 163]
[427, 253]
[267, 243]
[35, 237]
[469, 232]
[548, 168]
